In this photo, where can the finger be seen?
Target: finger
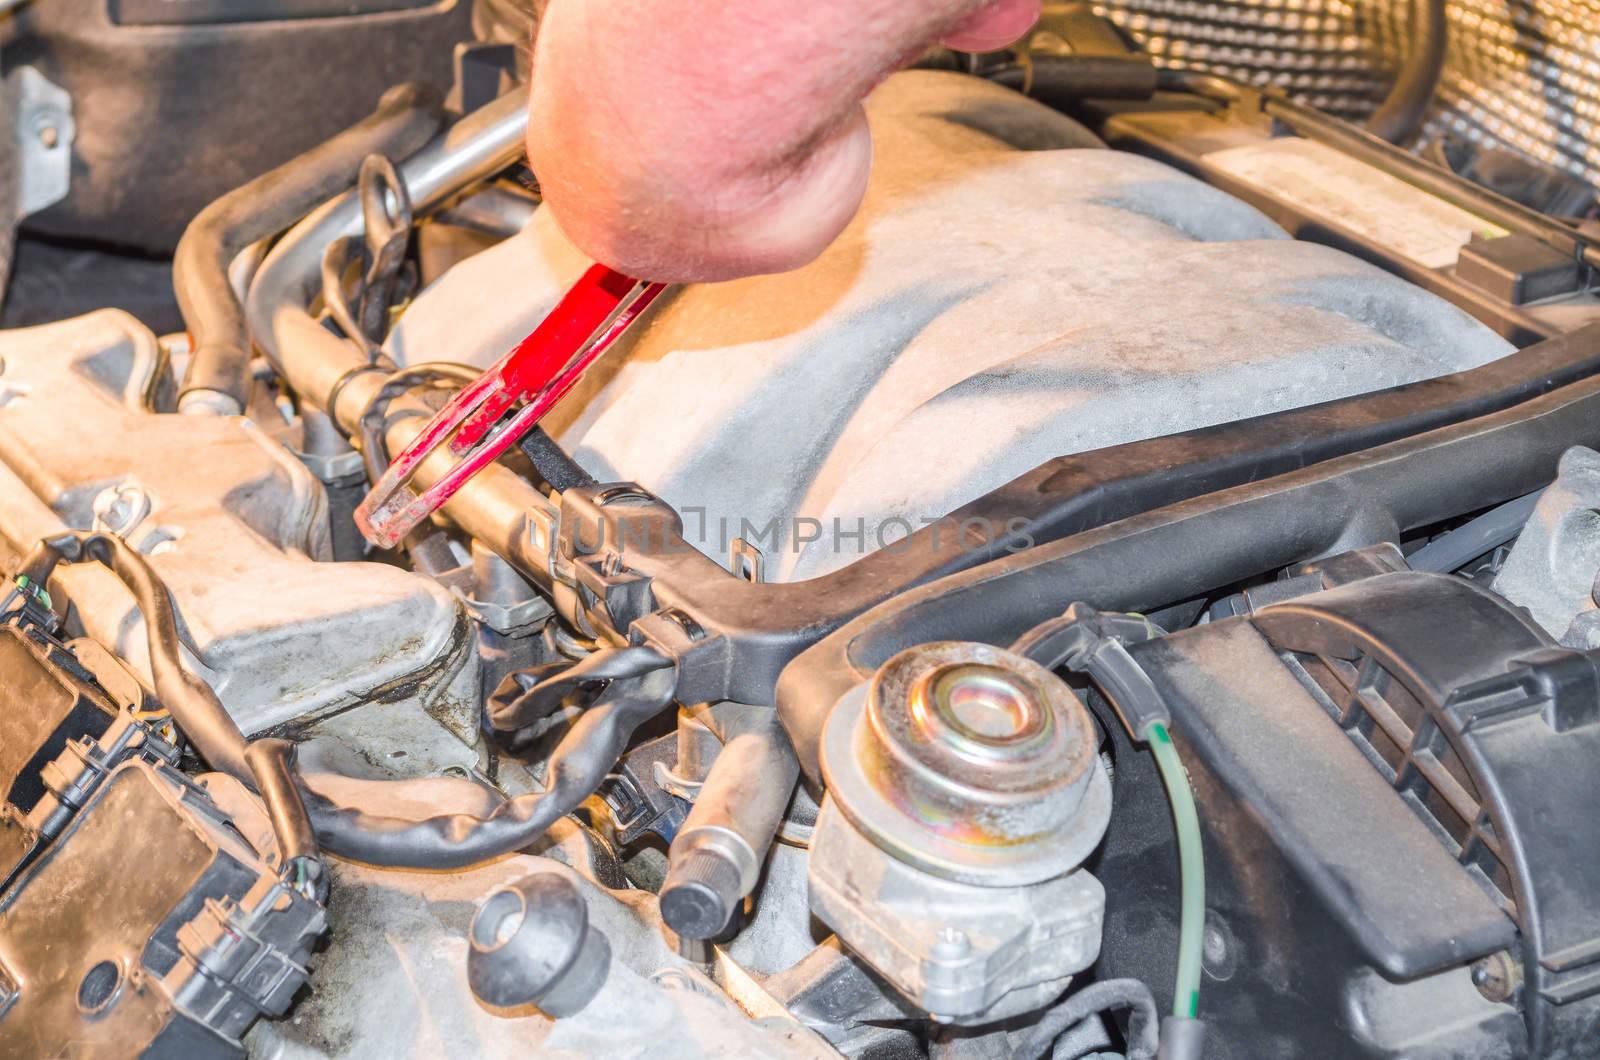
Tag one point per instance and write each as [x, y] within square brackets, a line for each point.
[994, 26]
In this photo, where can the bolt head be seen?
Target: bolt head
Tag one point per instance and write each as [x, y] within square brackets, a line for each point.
[1497, 977]
[951, 943]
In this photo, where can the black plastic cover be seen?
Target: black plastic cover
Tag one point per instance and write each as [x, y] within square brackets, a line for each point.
[147, 923]
[1374, 866]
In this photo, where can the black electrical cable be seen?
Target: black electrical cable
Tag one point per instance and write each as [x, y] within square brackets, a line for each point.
[188, 699]
[1094, 999]
[559, 471]
[371, 425]
[578, 765]
[510, 711]
[271, 762]
[426, 545]
[1090, 642]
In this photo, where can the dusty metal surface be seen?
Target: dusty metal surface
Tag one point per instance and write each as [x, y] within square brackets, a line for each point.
[230, 519]
[392, 983]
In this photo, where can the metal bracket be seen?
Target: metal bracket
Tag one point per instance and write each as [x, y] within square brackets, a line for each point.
[43, 136]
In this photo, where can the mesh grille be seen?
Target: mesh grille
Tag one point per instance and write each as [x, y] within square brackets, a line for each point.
[1523, 74]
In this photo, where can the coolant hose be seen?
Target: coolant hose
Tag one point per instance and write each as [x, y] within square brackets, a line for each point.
[406, 118]
[1191, 872]
[1400, 115]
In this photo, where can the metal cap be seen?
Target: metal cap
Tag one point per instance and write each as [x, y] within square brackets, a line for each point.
[970, 762]
[700, 894]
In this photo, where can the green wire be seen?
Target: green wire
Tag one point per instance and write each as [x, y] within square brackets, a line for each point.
[1191, 872]
[23, 582]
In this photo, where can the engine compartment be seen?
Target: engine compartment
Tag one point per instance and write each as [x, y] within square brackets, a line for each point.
[1110, 571]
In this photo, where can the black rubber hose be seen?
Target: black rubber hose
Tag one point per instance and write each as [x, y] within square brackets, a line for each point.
[407, 117]
[1400, 115]
[1060, 79]
[1104, 996]
[583, 759]
[272, 763]
[577, 767]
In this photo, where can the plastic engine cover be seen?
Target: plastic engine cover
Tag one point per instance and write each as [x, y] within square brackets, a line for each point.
[1001, 298]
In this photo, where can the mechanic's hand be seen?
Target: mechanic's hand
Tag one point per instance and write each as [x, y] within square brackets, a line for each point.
[690, 140]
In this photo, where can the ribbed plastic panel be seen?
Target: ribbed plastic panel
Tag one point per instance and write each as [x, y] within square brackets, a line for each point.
[1523, 74]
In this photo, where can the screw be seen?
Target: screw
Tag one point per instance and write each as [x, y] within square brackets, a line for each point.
[1218, 949]
[951, 944]
[48, 130]
[1497, 976]
[121, 508]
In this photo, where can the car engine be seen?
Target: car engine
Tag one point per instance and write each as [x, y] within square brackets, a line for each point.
[1134, 594]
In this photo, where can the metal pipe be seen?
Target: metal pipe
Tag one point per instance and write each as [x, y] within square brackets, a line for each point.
[218, 377]
[496, 211]
[309, 357]
[497, 507]
[717, 854]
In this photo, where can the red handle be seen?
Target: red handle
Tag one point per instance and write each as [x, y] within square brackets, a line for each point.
[540, 369]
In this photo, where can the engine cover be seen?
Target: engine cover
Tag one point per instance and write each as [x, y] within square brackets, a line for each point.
[234, 524]
[1004, 296]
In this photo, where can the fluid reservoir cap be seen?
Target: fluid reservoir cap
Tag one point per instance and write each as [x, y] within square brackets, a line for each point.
[531, 944]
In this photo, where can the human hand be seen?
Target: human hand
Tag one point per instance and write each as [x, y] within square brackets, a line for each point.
[682, 140]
